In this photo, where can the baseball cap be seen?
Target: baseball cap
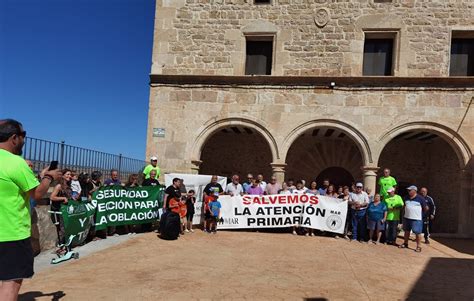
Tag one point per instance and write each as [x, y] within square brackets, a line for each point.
[412, 187]
[359, 184]
[390, 189]
[154, 158]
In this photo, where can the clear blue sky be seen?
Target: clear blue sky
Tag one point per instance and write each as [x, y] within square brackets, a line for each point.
[77, 70]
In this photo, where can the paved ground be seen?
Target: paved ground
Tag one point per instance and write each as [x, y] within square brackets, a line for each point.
[258, 266]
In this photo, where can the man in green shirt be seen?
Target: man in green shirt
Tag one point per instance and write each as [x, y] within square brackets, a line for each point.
[152, 166]
[394, 205]
[386, 182]
[17, 185]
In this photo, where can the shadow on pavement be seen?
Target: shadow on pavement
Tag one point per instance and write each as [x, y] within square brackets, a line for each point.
[465, 246]
[30, 296]
[445, 279]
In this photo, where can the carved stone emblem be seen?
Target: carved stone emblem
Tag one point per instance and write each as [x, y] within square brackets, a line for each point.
[322, 17]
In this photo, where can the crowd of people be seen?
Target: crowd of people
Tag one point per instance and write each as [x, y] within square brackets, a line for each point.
[372, 217]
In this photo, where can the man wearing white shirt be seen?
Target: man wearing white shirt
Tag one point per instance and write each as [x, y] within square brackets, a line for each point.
[413, 218]
[261, 182]
[358, 200]
[234, 188]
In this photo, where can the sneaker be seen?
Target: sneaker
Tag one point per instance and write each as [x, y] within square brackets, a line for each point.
[214, 232]
[116, 235]
[192, 231]
[187, 231]
[353, 240]
[336, 237]
[346, 237]
[427, 241]
[312, 234]
[294, 233]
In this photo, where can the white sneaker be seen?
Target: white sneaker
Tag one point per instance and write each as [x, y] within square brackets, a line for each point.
[307, 234]
[294, 233]
[192, 231]
[312, 234]
[187, 231]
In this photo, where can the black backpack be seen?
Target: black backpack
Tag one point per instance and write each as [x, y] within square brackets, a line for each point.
[170, 226]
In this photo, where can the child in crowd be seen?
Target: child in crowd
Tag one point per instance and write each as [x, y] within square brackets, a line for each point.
[215, 215]
[182, 214]
[207, 212]
[75, 186]
[190, 201]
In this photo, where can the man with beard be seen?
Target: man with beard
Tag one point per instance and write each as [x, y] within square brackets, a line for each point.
[17, 185]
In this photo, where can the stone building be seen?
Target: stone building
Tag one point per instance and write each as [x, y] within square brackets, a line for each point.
[319, 89]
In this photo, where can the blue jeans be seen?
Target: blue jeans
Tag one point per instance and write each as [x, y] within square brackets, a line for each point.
[391, 231]
[358, 224]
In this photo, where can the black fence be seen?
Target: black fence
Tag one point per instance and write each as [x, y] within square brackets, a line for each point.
[42, 152]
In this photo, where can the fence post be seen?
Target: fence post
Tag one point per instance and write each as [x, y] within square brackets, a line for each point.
[61, 154]
[120, 164]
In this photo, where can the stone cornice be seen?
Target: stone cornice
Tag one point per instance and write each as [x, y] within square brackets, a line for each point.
[315, 81]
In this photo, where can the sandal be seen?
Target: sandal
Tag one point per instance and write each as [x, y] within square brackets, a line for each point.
[403, 246]
[418, 249]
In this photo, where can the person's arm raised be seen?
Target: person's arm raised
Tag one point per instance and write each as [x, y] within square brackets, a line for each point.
[47, 176]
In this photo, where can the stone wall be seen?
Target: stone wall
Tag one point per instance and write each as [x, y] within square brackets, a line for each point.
[208, 36]
[433, 165]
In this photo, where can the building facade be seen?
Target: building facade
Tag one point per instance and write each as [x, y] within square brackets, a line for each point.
[315, 89]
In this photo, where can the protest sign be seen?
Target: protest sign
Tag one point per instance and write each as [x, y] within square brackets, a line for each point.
[117, 205]
[196, 183]
[278, 211]
[78, 218]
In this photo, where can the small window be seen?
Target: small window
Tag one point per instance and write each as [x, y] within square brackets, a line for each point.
[259, 56]
[462, 54]
[378, 55]
[262, 2]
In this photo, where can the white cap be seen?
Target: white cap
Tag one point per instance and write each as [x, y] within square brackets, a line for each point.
[412, 187]
[154, 158]
[359, 184]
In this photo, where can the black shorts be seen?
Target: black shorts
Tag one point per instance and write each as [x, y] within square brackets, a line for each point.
[189, 216]
[207, 215]
[16, 260]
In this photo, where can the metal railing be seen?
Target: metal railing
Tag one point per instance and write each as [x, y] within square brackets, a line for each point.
[41, 152]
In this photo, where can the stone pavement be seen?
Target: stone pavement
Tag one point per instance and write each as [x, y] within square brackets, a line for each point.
[259, 266]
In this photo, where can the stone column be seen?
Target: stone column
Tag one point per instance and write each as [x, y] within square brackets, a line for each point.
[370, 177]
[195, 164]
[466, 204]
[278, 170]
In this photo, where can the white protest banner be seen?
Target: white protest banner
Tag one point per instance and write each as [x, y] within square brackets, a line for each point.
[283, 210]
[196, 183]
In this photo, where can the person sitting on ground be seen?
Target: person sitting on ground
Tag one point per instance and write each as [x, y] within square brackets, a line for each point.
[215, 210]
[323, 189]
[359, 200]
[151, 181]
[75, 186]
[255, 188]
[428, 216]
[413, 218]
[190, 201]
[273, 187]
[284, 189]
[313, 188]
[394, 204]
[376, 217]
[234, 188]
[61, 194]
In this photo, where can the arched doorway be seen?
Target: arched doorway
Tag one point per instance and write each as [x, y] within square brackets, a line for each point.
[424, 158]
[338, 176]
[236, 149]
[324, 152]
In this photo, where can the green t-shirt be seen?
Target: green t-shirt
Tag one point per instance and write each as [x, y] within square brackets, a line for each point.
[149, 168]
[393, 214]
[385, 183]
[16, 179]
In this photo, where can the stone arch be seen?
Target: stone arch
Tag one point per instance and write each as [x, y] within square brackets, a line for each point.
[458, 144]
[213, 126]
[349, 130]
